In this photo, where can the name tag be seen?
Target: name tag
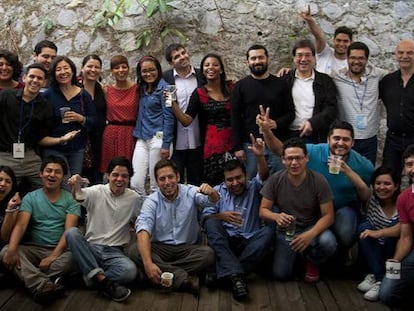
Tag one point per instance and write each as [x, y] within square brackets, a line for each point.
[18, 150]
[361, 121]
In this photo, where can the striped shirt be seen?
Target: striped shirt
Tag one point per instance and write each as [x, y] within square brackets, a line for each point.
[377, 218]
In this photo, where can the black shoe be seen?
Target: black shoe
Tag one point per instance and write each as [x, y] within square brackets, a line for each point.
[48, 293]
[115, 291]
[190, 286]
[239, 287]
[211, 279]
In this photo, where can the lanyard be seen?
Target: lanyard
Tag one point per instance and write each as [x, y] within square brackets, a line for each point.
[360, 100]
[21, 126]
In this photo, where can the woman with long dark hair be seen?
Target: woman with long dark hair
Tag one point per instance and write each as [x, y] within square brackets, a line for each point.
[10, 70]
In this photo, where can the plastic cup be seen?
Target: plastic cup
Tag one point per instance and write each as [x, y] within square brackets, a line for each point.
[80, 195]
[167, 279]
[63, 110]
[171, 96]
[392, 269]
[335, 164]
[290, 230]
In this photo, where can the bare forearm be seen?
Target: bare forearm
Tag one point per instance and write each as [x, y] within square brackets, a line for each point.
[273, 142]
[262, 167]
[144, 247]
[182, 117]
[404, 246]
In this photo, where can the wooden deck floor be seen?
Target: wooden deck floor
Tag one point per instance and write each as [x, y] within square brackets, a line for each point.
[265, 295]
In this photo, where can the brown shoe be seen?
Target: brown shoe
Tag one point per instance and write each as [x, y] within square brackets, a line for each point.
[48, 293]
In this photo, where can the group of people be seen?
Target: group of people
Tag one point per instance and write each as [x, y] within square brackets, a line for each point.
[222, 140]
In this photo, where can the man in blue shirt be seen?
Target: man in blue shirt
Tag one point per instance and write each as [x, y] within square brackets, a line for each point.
[168, 229]
[233, 225]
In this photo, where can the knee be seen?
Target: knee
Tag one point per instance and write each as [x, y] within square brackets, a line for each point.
[129, 271]
[212, 225]
[328, 243]
[385, 294]
[72, 234]
[207, 253]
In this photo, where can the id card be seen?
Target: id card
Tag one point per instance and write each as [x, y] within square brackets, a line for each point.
[361, 121]
[18, 150]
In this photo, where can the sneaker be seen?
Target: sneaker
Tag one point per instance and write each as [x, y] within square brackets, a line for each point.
[311, 273]
[48, 293]
[367, 283]
[115, 291]
[373, 293]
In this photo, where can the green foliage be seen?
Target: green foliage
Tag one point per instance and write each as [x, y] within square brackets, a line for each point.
[158, 14]
[48, 25]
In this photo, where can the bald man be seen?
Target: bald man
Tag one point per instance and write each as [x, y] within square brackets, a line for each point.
[398, 97]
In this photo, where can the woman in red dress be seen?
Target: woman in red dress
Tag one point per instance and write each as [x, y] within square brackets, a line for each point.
[121, 113]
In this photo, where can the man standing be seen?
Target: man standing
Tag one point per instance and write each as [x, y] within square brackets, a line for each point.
[259, 88]
[328, 59]
[111, 208]
[187, 146]
[304, 197]
[396, 91]
[233, 226]
[397, 291]
[358, 98]
[313, 93]
[37, 249]
[168, 230]
[26, 119]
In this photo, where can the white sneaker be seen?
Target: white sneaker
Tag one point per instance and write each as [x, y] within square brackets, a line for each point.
[372, 294]
[367, 283]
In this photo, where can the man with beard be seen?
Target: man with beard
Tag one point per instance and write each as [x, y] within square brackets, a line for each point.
[396, 292]
[396, 91]
[328, 59]
[358, 98]
[345, 185]
[259, 88]
[187, 145]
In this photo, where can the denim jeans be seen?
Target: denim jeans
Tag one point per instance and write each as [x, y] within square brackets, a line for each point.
[95, 258]
[319, 250]
[274, 162]
[237, 255]
[396, 292]
[345, 226]
[375, 253]
[367, 147]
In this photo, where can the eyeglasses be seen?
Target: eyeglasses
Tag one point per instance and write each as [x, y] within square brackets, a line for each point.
[292, 158]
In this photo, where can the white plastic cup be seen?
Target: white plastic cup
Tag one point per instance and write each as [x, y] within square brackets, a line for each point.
[80, 195]
[392, 269]
[171, 96]
[335, 164]
[167, 279]
[63, 110]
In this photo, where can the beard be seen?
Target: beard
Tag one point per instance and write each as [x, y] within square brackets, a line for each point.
[258, 70]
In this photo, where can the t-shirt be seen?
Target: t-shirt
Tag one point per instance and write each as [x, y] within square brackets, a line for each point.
[302, 201]
[405, 206]
[326, 61]
[47, 221]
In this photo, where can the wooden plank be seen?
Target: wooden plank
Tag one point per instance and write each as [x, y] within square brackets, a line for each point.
[310, 296]
[259, 295]
[5, 295]
[326, 296]
[285, 296]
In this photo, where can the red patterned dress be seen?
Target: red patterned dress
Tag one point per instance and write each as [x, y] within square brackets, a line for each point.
[121, 114]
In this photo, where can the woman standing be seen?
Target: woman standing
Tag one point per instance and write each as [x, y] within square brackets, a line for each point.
[121, 113]
[212, 104]
[379, 233]
[89, 78]
[79, 117]
[10, 70]
[9, 202]
[155, 124]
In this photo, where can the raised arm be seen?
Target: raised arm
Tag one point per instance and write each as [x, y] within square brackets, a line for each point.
[320, 41]
[258, 148]
[265, 124]
[363, 191]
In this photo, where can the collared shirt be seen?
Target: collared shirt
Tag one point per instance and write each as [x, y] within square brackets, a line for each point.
[326, 61]
[38, 125]
[109, 215]
[399, 103]
[303, 99]
[172, 222]
[358, 100]
[154, 117]
[343, 189]
[187, 137]
[247, 203]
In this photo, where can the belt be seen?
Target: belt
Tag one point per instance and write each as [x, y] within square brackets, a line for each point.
[127, 123]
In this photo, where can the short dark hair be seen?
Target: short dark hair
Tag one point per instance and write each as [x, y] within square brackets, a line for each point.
[408, 152]
[357, 45]
[342, 125]
[295, 142]
[165, 163]
[305, 43]
[13, 60]
[232, 165]
[383, 170]
[9, 171]
[171, 48]
[54, 159]
[345, 30]
[118, 60]
[44, 44]
[120, 161]
[56, 61]
[148, 58]
[37, 66]
[256, 47]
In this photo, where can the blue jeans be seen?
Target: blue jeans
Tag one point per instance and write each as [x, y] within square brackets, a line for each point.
[345, 226]
[93, 259]
[375, 253]
[237, 255]
[274, 162]
[319, 250]
[396, 292]
[367, 147]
